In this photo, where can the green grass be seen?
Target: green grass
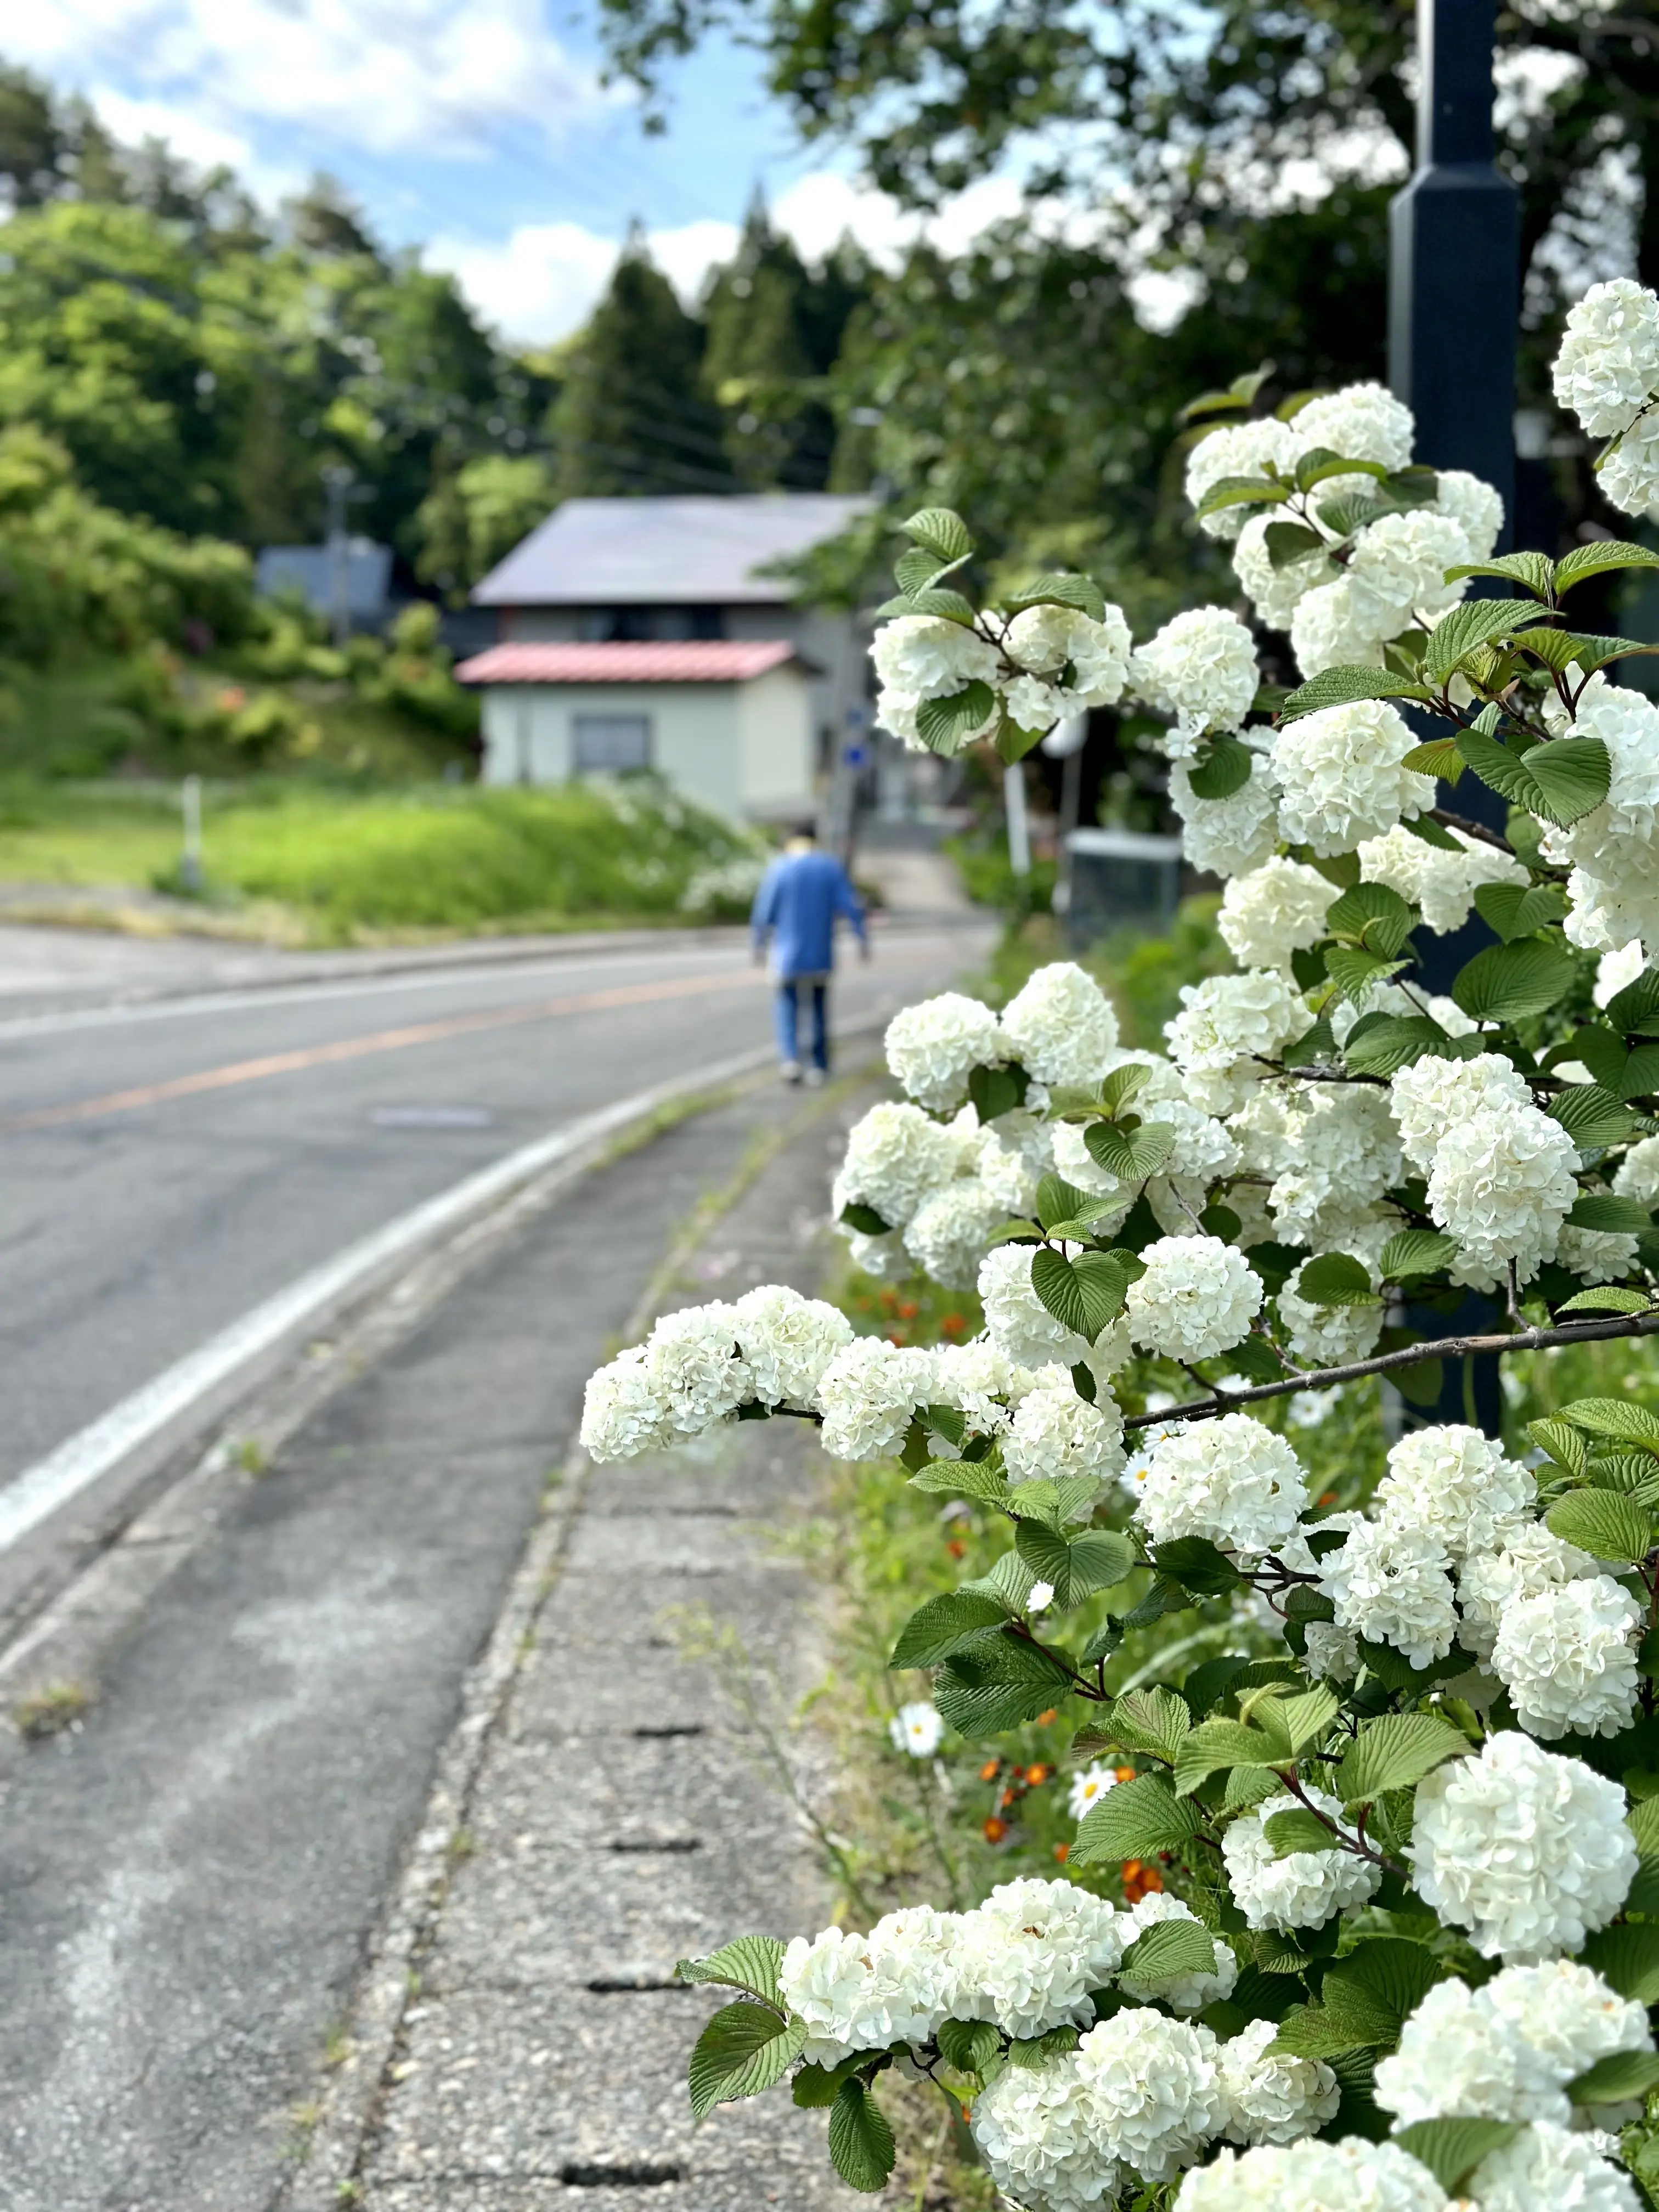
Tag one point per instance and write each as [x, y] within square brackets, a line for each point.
[427, 859]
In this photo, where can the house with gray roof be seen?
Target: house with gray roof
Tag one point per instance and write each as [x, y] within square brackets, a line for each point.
[570, 688]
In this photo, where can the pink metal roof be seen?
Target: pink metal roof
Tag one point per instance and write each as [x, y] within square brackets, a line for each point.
[696, 660]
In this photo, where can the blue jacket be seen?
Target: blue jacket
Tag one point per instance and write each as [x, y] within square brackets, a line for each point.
[799, 898]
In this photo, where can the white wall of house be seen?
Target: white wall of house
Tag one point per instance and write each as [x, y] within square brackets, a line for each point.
[744, 750]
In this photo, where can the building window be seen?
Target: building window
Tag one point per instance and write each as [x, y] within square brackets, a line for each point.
[611, 744]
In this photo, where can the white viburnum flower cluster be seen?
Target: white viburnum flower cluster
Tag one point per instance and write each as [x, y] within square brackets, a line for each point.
[1441, 884]
[771, 1347]
[870, 1394]
[1508, 2050]
[1232, 1480]
[923, 656]
[933, 1046]
[1613, 893]
[1228, 836]
[1304, 1888]
[1046, 640]
[1567, 1657]
[1227, 1027]
[1327, 1335]
[1053, 1433]
[1276, 910]
[1274, 2100]
[1196, 1299]
[1527, 1851]
[1608, 373]
[1201, 668]
[1342, 777]
[1060, 1026]
[1240, 449]
[1501, 1172]
[1350, 2176]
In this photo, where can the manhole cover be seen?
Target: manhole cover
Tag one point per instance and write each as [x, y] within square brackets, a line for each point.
[431, 1117]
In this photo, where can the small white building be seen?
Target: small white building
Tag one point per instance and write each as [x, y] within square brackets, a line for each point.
[650, 633]
[729, 725]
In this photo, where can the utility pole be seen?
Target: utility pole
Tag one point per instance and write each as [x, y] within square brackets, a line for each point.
[1454, 310]
[337, 480]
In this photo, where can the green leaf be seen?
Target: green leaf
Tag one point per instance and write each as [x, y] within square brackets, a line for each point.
[1393, 1753]
[1591, 1117]
[1226, 768]
[1391, 1970]
[1202, 1566]
[1135, 1821]
[1306, 1717]
[1626, 1074]
[1616, 2079]
[1325, 2031]
[1516, 910]
[1354, 972]
[1216, 1744]
[865, 1220]
[1339, 687]
[1586, 561]
[1165, 1952]
[1456, 635]
[1121, 1085]
[1319, 464]
[1157, 1721]
[1059, 1201]
[1291, 541]
[1082, 1294]
[961, 1478]
[941, 531]
[1062, 589]
[1075, 1567]
[1242, 491]
[1533, 572]
[1636, 1008]
[1627, 1958]
[917, 571]
[1131, 1155]
[1561, 1441]
[1606, 1298]
[1439, 757]
[1317, 1048]
[997, 1684]
[996, 1090]
[1381, 1044]
[1372, 916]
[1603, 1523]
[1295, 1832]
[814, 2086]
[942, 724]
[1508, 982]
[1335, 1279]
[1413, 1252]
[861, 2148]
[1559, 781]
[969, 2046]
[1057, 1500]
[1033, 2052]
[1451, 2149]
[744, 2049]
[749, 1962]
[1612, 1416]
[947, 1624]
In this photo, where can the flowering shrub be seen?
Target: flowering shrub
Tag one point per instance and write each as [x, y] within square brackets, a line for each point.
[1405, 1930]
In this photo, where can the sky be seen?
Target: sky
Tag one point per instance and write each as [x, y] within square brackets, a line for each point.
[479, 130]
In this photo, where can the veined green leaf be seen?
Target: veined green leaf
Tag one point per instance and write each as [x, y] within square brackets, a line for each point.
[1517, 909]
[1616, 2080]
[944, 724]
[1606, 1297]
[1216, 1744]
[1393, 1752]
[1604, 1524]
[1559, 781]
[748, 1962]
[1627, 1958]
[1157, 1721]
[1168, 1951]
[1586, 561]
[1242, 491]
[1508, 982]
[1131, 1155]
[744, 2049]
[1339, 687]
[1451, 2149]
[1533, 572]
[1295, 1832]
[1134, 1820]
[1625, 1423]
[1226, 768]
[1413, 1252]
[950, 1623]
[1333, 1279]
[941, 531]
[861, 2148]
[1455, 636]
[1060, 590]
[1591, 1117]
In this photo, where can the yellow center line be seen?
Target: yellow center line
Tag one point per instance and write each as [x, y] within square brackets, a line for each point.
[360, 1047]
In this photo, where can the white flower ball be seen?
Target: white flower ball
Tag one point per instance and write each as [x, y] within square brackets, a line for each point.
[1277, 909]
[624, 1414]
[1391, 1585]
[1274, 2100]
[1197, 1299]
[1397, 570]
[1226, 1019]
[1237, 449]
[1187, 1992]
[1432, 1096]
[869, 1395]
[1054, 1433]
[1456, 1483]
[1360, 422]
[787, 1341]
[1527, 1851]
[895, 1157]
[1503, 1186]
[1302, 1890]
[1060, 1026]
[1277, 591]
[1034, 705]
[1201, 668]
[1609, 363]
[1638, 1172]
[1327, 1336]
[698, 1372]
[1044, 638]
[1031, 1953]
[1547, 2169]
[1340, 774]
[950, 1232]
[860, 1992]
[1228, 836]
[1441, 884]
[1231, 1481]
[1527, 1558]
[1474, 505]
[1568, 2017]
[1311, 2176]
[1155, 2090]
[1595, 1255]
[1032, 2124]
[980, 1382]
[1459, 2058]
[1567, 1657]
[928, 657]
[1327, 630]
[1333, 1653]
[934, 1046]
[1016, 1319]
[1629, 475]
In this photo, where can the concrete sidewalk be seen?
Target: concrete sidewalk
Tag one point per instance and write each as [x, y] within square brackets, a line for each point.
[616, 1822]
[191, 1881]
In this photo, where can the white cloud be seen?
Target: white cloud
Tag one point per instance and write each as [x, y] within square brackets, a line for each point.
[387, 74]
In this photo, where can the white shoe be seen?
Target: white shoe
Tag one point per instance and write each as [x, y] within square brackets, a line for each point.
[814, 1079]
[790, 1071]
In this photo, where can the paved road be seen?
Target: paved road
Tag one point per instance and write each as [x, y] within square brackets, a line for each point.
[169, 1166]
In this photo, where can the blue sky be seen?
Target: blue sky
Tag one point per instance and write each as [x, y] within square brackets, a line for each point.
[477, 129]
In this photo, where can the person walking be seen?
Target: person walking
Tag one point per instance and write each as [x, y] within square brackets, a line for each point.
[795, 909]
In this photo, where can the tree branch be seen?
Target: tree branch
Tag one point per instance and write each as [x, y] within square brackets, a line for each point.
[1410, 1355]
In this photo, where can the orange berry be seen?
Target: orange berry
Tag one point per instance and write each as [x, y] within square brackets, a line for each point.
[1043, 1719]
[952, 1325]
[955, 1546]
[1328, 1497]
[995, 1830]
[1124, 1774]
[1062, 1852]
[908, 1309]
[1034, 1775]
[989, 1771]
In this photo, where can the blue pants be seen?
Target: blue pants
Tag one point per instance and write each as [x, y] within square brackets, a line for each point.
[786, 1014]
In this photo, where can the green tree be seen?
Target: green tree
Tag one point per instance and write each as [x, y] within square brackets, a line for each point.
[476, 515]
[760, 366]
[631, 417]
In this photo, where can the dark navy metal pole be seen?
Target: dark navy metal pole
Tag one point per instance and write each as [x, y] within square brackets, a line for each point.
[1454, 308]
[1454, 261]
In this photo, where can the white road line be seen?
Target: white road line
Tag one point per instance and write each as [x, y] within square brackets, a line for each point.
[164, 1402]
